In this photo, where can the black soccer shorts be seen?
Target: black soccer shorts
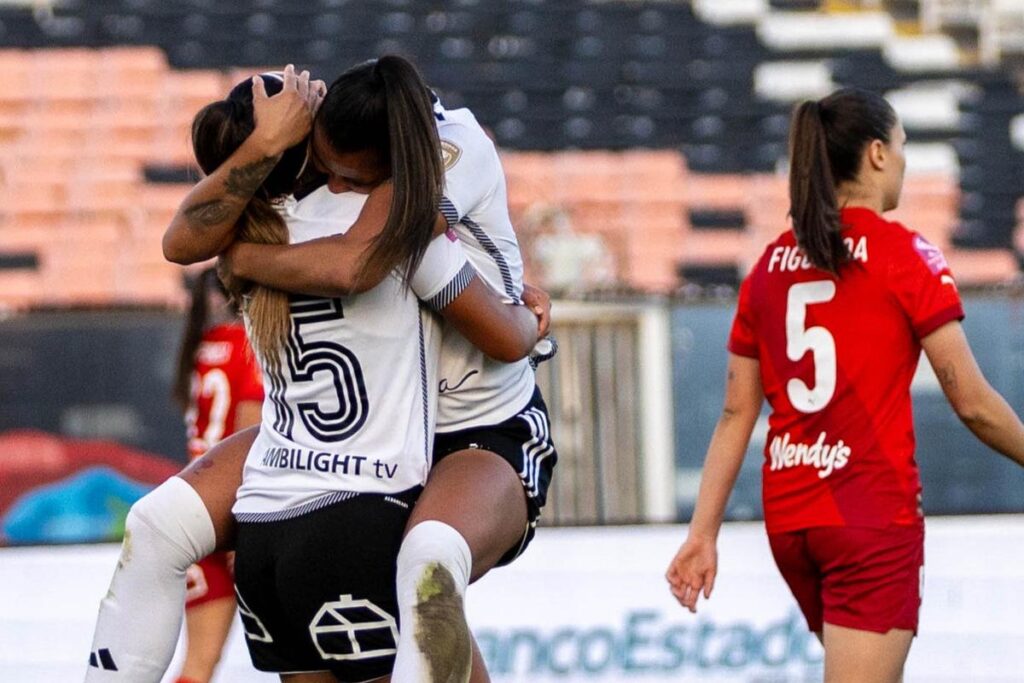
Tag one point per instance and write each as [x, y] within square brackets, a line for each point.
[524, 441]
[317, 592]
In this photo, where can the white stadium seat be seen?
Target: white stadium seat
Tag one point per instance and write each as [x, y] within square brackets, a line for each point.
[932, 158]
[934, 107]
[922, 53]
[794, 31]
[1017, 131]
[790, 81]
[729, 12]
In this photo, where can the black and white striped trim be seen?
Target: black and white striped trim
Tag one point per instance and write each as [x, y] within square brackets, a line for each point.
[427, 451]
[536, 450]
[451, 291]
[481, 236]
[292, 513]
[396, 501]
[450, 213]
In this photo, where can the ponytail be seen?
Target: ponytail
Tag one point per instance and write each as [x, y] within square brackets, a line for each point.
[217, 131]
[192, 336]
[384, 105]
[826, 146]
[417, 172]
[812, 191]
[267, 309]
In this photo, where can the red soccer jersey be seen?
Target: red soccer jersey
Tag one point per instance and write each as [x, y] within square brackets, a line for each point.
[837, 356]
[226, 373]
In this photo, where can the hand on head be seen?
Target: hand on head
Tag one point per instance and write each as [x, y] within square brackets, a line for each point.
[285, 119]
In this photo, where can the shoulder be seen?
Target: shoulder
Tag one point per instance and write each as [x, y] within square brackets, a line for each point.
[909, 247]
[462, 136]
[780, 250]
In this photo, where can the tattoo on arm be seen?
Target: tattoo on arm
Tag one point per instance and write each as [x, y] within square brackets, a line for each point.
[241, 182]
[244, 180]
[208, 213]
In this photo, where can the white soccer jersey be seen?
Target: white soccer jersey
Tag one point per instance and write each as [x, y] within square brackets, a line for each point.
[476, 391]
[350, 406]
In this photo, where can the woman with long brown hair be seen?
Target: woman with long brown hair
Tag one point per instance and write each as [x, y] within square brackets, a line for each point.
[829, 327]
[381, 132]
[327, 387]
[218, 387]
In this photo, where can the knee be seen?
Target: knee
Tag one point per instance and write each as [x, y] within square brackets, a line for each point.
[169, 522]
[432, 550]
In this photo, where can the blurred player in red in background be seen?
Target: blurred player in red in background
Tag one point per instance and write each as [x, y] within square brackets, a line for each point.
[219, 386]
[830, 326]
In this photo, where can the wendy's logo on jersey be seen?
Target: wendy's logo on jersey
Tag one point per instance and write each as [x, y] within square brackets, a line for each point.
[930, 254]
[823, 456]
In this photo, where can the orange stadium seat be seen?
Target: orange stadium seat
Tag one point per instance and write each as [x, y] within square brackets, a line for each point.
[72, 156]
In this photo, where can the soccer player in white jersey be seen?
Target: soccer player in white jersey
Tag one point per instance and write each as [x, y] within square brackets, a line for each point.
[180, 521]
[493, 452]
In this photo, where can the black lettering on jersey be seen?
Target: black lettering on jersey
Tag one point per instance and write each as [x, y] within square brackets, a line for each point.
[444, 388]
[308, 359]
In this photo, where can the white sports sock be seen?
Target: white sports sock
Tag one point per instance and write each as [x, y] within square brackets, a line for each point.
[166, 531]
[434, 646]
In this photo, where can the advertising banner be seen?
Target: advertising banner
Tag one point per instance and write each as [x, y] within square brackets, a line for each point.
[592, 604]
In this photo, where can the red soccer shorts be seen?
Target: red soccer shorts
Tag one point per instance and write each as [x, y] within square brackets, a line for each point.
[208, 580]
[860, 578]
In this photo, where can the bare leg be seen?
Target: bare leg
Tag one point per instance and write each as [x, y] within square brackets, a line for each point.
[481, 496]
[472, 511]
[479, 673]
[207, 625]
[166, 531]
[855, 656]
[318, 677]
[216, 477]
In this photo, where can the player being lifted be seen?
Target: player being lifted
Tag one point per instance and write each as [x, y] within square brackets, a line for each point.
[216, 483]
[829, 327]
[218, 386]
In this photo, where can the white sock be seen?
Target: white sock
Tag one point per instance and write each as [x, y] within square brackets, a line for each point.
[167, 530]
[434, 646]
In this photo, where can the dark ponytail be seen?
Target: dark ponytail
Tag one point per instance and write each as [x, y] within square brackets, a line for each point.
[383, 105]
[826, 143]
[195, 323]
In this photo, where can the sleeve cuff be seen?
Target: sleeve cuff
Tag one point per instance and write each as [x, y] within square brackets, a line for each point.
[929, 325]
[451, 291]
[742, 349]
[449, 211]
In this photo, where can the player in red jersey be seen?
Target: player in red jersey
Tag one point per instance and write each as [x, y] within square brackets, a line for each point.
[829, 327]
[219, 386]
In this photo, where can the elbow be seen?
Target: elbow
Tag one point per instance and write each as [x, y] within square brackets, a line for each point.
[175, 251]
[508, 351]
[971, 414]
[505, 355]
[339, 283]
[973, 405]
